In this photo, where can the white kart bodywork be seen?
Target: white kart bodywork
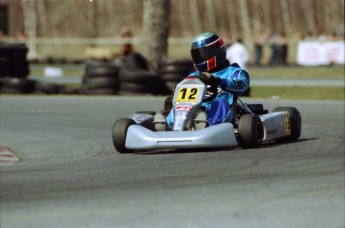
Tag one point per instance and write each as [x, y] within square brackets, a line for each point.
[276, 125]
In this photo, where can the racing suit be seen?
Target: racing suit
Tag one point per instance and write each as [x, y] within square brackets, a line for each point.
[233, 81]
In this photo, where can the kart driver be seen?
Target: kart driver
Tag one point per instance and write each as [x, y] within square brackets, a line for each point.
[211, 66]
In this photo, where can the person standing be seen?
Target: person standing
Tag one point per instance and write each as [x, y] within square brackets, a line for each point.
[237, 53]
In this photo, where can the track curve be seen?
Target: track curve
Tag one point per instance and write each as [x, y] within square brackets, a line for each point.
[71, 176]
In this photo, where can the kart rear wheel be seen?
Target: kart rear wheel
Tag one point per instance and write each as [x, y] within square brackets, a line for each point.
[295, 122]
[120, 134]
[250, 131]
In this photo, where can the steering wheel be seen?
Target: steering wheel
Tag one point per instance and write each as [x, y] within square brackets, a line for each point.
[213, 89]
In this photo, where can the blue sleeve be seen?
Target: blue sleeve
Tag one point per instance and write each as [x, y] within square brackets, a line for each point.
[236, 81]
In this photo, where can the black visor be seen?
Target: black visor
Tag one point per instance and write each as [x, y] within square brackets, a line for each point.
[202, 54]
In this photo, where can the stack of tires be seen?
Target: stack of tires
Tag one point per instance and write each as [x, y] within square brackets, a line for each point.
[100, 78]
[174, 71]
[136, 78]
[14, 69]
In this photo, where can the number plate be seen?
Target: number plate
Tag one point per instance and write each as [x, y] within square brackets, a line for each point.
[287, 126]
[188, 95]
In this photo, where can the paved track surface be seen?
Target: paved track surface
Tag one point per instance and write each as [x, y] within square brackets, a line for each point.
[71, 176]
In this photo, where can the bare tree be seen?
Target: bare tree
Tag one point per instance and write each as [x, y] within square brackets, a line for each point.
[195, 17]
[211, 16]
[232, 19]
[309, 15]
[284, 6]
[155, 31]
[93, 14]
[256, 16]
[246, 25]
[30, 23]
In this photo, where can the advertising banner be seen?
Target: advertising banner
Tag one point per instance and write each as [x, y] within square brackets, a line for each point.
[311, 53]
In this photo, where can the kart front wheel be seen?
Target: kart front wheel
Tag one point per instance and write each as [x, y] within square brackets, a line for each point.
[120, 134]
[250, 131]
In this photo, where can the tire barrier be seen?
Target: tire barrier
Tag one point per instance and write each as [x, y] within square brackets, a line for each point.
[135, 61]
[136, 78]
[100, 78]
[48, 88]
[17, 86]
[13, 61]
[174, 71]
[137, 81]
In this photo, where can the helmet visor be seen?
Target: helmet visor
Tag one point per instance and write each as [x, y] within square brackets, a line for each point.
[204, 53]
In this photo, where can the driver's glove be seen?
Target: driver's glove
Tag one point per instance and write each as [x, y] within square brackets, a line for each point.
[209, 79]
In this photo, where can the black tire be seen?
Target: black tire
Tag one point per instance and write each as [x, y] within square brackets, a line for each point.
[102, 91]
[100, 69]
[4, 66]
[48, 88]
[102, 82]
[120, 134]
[176, 66]
[154, 88]
[18, 64]
[250, 131]
[137, 88]
[173, 77]
[135, 61]
[7, 90]
[171, 86]
[18, 84]
[295, 122]
[138, 76]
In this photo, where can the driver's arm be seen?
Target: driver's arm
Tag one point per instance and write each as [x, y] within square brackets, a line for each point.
[236, 81]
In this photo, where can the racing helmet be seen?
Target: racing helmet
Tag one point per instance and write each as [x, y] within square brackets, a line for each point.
[208, 51]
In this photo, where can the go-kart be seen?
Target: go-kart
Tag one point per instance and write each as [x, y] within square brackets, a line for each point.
[250, 125]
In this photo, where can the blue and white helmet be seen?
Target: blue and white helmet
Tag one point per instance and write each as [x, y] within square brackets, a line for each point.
[208, 51]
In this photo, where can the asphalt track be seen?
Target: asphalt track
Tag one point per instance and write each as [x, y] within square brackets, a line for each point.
[71, 176]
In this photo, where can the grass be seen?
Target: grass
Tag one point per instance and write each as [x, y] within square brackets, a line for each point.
[69, 70]
[298, 72]
[298, 93]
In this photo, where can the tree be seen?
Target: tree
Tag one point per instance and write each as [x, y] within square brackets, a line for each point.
[30, 23]
[154, 40]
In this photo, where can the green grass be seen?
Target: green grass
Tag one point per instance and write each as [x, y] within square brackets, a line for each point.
[298, 72]
[68, 69]
[298, 93]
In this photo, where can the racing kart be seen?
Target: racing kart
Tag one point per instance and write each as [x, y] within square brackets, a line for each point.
[250, 125]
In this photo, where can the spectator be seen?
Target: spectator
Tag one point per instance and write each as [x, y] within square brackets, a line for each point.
[283, 49]
[259, 41]
[21, 36]
[237, 53]
[227, 39]
[126, 33]
[309, 36]
[273, 42]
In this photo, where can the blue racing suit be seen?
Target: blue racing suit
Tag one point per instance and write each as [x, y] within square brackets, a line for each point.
[233, 81]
